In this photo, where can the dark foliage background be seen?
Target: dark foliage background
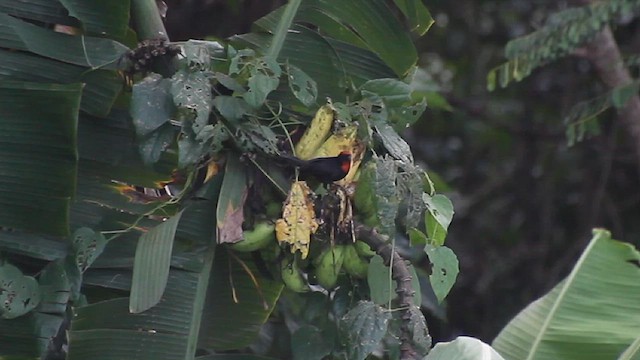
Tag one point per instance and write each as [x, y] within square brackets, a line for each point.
[525, 202]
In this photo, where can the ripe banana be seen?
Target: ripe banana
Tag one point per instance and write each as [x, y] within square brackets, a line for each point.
[328, 266]
[262, 235]
[292, 276]
[317, 132]
[353, 264]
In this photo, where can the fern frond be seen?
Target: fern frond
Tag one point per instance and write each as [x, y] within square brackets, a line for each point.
[564, 32]
[582, 120]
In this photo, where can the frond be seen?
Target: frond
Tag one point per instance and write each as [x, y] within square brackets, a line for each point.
[564, 32]
[582, 120]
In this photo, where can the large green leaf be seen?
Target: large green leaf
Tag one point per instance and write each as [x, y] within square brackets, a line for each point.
[593, 314]
[81, 50]
[333, 64]
[108, 150]
[364, 23]
[101, 17]
[169, 330]
[463, 348]
[230, 324]
[362, 328]
[101, 86]
[151, 266]
[38, 155]
[46, 11]
[27, 337]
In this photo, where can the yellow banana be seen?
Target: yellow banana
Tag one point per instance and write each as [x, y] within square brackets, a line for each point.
[328, 266]
[353, 264]
[262, 235]
[317, 132]
[292, 276]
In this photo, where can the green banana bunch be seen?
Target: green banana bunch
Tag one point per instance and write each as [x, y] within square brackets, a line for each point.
[262, 235]
[353, 264]
[292, 276]
[363, 249]
[328, 265]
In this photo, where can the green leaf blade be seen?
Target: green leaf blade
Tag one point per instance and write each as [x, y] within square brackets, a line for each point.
[151, 265]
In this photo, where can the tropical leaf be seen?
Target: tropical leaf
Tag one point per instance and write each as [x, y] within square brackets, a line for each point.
[363, 23]
[463, 348]
[151, 266]
[31, 147]
[107, 330]
[237, 292]
[592, 314]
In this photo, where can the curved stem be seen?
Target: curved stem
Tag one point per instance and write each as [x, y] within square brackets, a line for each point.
[147, 20]
[401, 274]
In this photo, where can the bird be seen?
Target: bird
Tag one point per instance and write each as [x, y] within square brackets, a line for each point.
[324, 169]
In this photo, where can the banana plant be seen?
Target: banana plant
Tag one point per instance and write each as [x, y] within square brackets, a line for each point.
[128, 225]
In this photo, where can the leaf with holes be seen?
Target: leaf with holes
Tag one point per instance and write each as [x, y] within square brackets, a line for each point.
[385, 192]
[151, 105]
[265, 77]
[419, 331]
[87, 245]
[302, 86]
[19, 294]
[362, 328]
[192, 90]
[444, 269]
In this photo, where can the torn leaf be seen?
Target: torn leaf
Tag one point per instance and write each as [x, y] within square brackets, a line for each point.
[298, 220]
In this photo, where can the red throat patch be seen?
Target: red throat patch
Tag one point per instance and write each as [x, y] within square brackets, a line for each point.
[345, 166]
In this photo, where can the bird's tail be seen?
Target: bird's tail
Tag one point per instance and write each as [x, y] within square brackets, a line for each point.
[292, 160]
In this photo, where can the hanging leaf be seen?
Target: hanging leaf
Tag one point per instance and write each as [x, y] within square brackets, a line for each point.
[362, 329]
[230, 209]
[298, 220]
[444, 269]
[395, 145]
[439, 216]
[151, 265]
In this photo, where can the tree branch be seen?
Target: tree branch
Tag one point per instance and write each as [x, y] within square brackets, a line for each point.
[400, 273]
[604, 55]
